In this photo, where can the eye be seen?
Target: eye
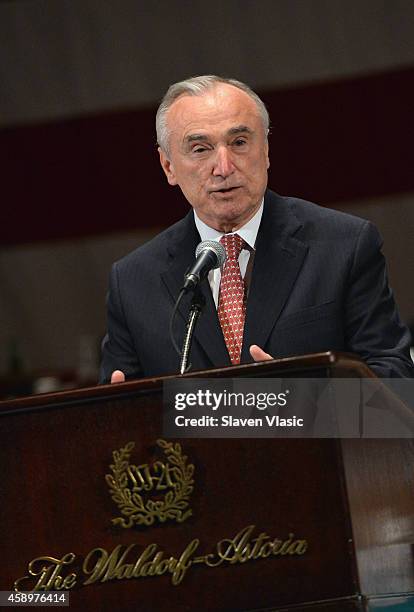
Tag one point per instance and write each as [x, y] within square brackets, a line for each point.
[239, 142]
[199, 149]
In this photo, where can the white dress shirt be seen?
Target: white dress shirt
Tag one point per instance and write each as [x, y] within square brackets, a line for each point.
[249, 234]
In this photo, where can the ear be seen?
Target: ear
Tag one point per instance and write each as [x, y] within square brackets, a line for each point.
[168, 167]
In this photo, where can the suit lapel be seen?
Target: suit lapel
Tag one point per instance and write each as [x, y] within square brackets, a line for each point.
[278, 259]
[182, 243]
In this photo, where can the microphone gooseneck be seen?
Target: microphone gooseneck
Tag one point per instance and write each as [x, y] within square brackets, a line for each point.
[209, 256]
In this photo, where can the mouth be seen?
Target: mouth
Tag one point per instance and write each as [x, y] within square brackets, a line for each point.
[225, 190]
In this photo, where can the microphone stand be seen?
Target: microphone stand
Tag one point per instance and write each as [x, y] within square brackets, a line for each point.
[197, 305]
[209, 255]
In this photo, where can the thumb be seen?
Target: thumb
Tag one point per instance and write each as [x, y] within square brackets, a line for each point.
[258, 354]
[117, 377]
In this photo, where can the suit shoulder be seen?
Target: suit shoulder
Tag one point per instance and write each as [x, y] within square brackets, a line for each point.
[321, 221]
[153, 252]
[311, 212]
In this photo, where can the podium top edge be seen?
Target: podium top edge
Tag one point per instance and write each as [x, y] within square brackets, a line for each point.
[347, 363]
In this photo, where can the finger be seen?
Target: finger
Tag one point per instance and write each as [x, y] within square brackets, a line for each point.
[117, 377]
[258, 354]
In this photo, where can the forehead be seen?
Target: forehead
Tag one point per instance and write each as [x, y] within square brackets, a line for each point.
[219, 108]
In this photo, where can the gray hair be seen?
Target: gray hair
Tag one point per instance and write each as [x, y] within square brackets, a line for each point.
[197, 86]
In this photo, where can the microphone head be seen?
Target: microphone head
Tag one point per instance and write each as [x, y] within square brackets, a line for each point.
[216, 247]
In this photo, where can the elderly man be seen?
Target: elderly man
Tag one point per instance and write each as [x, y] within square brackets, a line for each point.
[298, 278]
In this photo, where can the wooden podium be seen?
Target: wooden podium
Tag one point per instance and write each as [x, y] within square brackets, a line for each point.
[286, 524]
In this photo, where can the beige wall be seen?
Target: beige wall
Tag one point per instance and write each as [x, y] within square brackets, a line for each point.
[66, 57]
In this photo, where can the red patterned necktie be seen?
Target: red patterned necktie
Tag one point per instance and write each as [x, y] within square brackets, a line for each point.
[232, 307]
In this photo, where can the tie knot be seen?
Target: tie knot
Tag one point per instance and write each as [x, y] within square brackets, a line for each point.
[233, 244]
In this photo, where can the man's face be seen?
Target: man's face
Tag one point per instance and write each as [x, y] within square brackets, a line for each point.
[218, 155]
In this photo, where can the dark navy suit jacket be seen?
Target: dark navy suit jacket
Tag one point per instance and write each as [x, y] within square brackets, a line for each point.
[318, 283]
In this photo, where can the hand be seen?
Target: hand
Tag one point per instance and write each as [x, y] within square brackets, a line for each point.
[117, 377]
[258, 354]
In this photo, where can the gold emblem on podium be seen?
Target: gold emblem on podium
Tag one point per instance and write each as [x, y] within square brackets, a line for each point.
[169, 482]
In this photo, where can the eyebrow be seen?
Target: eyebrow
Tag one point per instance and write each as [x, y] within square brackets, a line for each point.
[239, 129]
[193, 137]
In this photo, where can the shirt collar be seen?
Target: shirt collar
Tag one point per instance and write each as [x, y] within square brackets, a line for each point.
[248, 232]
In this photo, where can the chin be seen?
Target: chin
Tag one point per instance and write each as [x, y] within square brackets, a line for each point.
[232, 218]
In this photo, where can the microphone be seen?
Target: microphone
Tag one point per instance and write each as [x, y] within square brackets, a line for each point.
[209, 256]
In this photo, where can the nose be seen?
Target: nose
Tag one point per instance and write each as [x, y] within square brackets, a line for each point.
[223, 165]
